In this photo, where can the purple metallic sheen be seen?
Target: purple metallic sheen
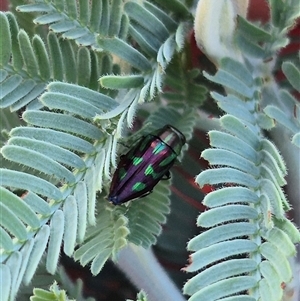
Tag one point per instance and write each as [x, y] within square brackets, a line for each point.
[153, 149]
[121, 191]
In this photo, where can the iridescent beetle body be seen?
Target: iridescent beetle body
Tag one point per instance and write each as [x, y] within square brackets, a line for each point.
[145, 164]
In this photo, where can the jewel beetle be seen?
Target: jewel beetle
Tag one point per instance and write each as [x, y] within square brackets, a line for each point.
[145, 164]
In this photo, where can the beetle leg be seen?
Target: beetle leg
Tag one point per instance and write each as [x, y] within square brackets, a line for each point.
[166, 176]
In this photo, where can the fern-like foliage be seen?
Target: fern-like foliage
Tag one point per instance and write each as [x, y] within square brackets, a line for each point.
[80, 21]
[54, 215]
[55, 147]
[54, 293]
[63, 142]
[246, 216]
[105, 26]
[28, 65]
[288, 114]
[103, 240]
[40, 286]
[185, 88]
[244, 252]
[78, 86]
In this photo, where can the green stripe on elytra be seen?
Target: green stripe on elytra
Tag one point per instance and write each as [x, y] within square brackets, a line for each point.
[149, 170]
[137, 160]
[138, 186]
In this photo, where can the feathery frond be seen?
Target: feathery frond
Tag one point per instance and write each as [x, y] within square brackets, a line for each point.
[243, 241]
[77, 88]
[289, 114]
[54, 146]
[28, 65]
[104, 240]
[81, 21]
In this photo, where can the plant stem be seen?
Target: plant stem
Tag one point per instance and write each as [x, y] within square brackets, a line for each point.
[146, 273]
